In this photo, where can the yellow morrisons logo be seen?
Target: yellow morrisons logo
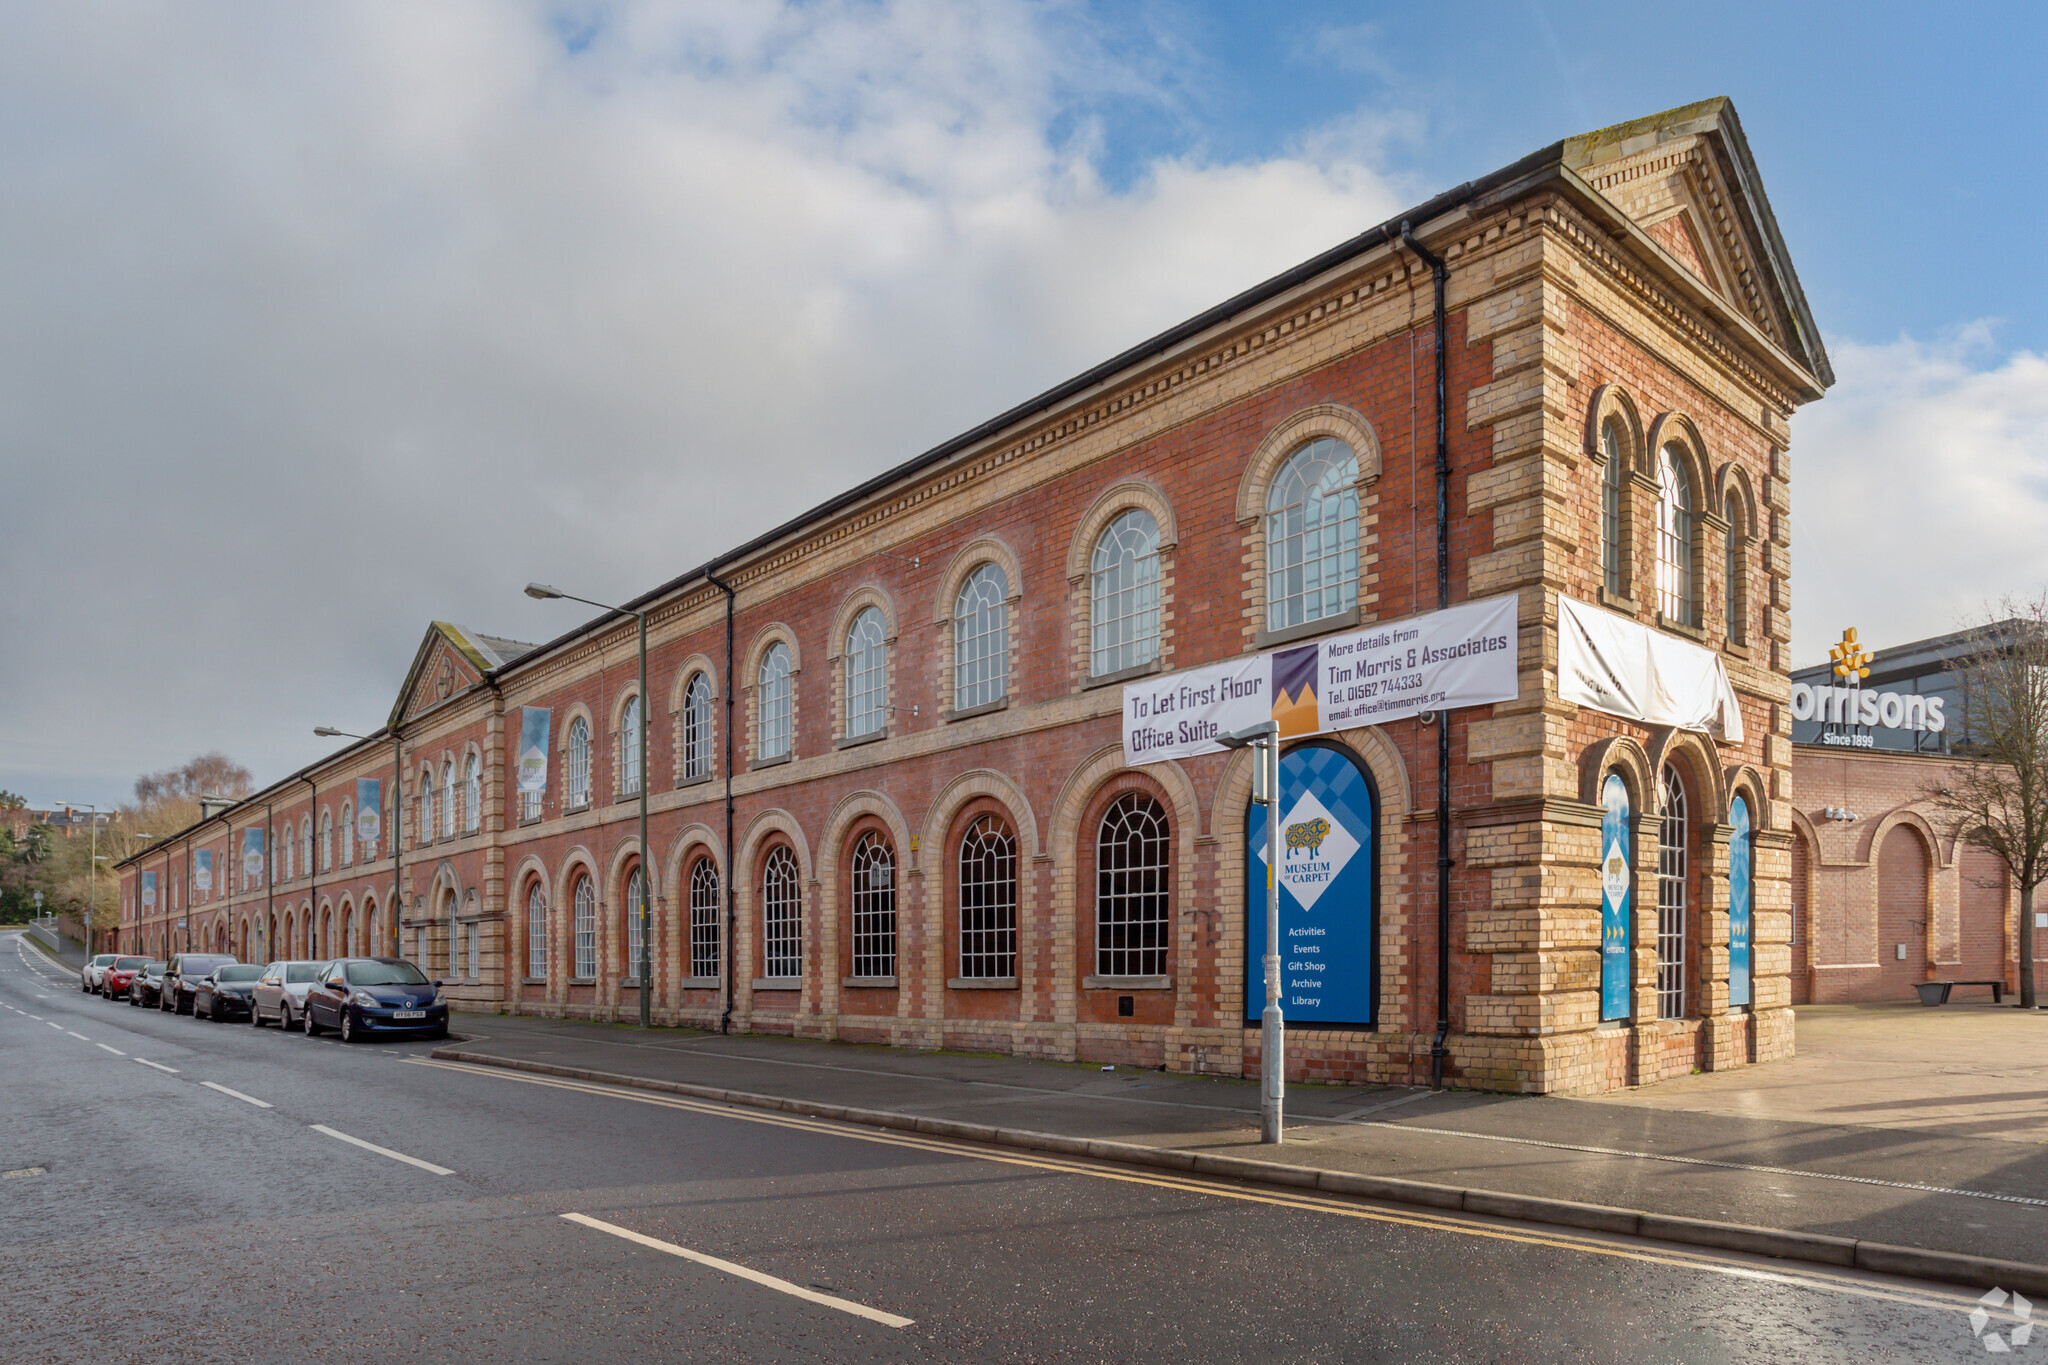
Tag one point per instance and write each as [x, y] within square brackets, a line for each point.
[1850, 660]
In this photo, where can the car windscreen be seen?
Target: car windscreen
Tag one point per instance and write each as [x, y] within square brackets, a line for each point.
[384, 974]
[128, 964]
[199, 965]
[238, 974]
[155, 969]
[302, 971]
[103, 959]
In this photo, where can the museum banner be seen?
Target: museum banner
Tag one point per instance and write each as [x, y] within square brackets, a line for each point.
[533, 747]
[202, 870]
[1461, 656]
[369, 808]
[149, 891]
[1613, 664]
[252, 855]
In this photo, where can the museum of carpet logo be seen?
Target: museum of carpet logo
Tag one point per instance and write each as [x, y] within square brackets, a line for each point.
[1315, 850]
[1980, 1318]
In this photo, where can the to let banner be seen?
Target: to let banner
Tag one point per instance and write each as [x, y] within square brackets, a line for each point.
[533, 747]
[368, 808]
[1461, 656]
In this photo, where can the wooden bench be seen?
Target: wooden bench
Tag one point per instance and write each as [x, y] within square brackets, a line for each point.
[1936, 992]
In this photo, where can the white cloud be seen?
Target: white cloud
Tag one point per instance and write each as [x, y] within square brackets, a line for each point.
[324, 321]
[1919, 490]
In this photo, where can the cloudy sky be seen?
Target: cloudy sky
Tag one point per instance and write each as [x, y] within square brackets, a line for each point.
[318, 322]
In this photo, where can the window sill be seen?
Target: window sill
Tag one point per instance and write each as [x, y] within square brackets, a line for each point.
[577, 809]
[986, 708]
[1126, 983]
[701, 983]
[1676, 627]
[982, 983]
[855, 741]
[699, 780]
[1320, 626]
[533, 981]
[778, 983]
[526, 820]
[774, 762]
[583, 981]
[868, 983]
[624, 797]
[1628, 606]
[1735, 649]
[1123, 675]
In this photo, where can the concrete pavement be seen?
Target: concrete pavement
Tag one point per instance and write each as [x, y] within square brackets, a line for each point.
[1953, 1191]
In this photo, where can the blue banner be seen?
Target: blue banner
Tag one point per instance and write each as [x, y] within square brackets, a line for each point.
[1329, 894]
[202, 870]
[369, 811]
[533, 747]
[1617, 934]
[252, 854]
[1741, 844]
[149, 890]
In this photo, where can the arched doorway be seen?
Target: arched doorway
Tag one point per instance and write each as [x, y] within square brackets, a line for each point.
[1902, 912]
[1329, 892]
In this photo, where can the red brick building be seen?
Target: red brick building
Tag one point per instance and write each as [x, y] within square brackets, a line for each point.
[888, 789]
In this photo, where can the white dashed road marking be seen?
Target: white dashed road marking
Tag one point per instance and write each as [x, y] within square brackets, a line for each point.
[156, 1065]
[79, 1036]
[380, 1151]
[246, 1099]
[859, 1310]
[116, 1051]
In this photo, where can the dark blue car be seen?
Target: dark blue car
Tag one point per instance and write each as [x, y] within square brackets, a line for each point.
[362, 996]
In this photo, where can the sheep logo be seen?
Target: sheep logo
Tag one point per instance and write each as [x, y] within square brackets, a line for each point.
[1308, 834]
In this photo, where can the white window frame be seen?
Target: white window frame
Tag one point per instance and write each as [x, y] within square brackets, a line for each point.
[782, 916]
[585, 900]
[1671, 896]
[636, 892]
[1675, 513]
[348, 834]
[697, 727]
[537, 930]
[988, 899]
[629, 747]
[872, 895]
[1312, 550]
[867, 674]
[578, 763]
[772, 703]
[1133, 895]
[981, 638]
[1123, 594]
[1613, 488]
[706, 924]
[451, 800]
[473, 794]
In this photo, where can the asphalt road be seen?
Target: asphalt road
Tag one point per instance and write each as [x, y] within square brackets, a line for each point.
[174, 1220]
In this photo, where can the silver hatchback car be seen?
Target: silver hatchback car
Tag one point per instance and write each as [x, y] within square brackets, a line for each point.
[281, 993]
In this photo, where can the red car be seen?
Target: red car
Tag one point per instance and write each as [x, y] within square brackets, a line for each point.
[115, 977]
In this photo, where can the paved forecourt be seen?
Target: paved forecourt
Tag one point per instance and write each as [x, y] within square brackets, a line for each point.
[165, 1216]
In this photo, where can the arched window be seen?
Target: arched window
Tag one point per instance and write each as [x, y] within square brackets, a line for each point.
[426, 805]
[451, 800]
[348, 833]
[586, 928]
[988, 900]
[704, 907]
[306, 833]
[636, 902]
[1312, 535]
[629, 748]
[1674, 538]
[981, 639]
[473, 795]
[1131, 892]
[1124, 595]
[1671, 897]
[284, 849]
[326, 842]
[874, 907]
[772, 697]
[867, 675]
[579, 762]
[536, 930]
[782, 917]
[697, 727]
[1735, 585]
[1613, 550]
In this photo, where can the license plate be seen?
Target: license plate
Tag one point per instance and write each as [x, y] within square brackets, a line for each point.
[408, 1014]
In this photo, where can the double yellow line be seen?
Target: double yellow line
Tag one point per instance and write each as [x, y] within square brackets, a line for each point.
[1588, 1244]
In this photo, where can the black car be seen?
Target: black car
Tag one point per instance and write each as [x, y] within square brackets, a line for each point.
[365, 995]
[182, 977]
[146, 987]
[227, 992]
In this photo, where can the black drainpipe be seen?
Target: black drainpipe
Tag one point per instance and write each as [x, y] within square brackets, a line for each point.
[731, 909]
[312, 886]
[1437, 1051]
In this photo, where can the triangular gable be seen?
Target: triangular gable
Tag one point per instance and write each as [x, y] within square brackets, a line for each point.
[1688, 180]
[450, 660]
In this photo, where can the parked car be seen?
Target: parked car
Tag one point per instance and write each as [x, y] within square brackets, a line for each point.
[281, 992]
[365, 995]
[226, 992]
[89, 974]
[114, 977]
[181, 978]
[147, 985]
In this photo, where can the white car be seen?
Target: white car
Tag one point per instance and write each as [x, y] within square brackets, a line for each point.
[281, 993]
[89, 975]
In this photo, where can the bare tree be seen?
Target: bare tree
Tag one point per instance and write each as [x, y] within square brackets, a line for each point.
[1998, 798]
[210, 774]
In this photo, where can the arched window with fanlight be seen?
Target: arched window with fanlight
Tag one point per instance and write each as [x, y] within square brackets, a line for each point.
[772, 696]
[1735, 586]
[704, 919]
[585, 900]
[981, 639]
[473, 795]
[579, 762]
[629, 748]
[782, 917]
[1613, 488]
[1312, 535]
[451, 799]
[348, 833]
[536, 930]
[697, 728]
[1674, 538]
[1132, 888]
[635, 909]
[867, 674]
[1671, 896]
[873, 878]
[1123, 594]
[326, 841]
[988, 900]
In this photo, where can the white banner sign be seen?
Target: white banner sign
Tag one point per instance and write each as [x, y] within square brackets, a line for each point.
[1462, 656]
[1622, 667]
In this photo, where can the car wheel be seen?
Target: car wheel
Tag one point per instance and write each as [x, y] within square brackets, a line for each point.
[312, 1025]
[351, 1032]
[284, 1017]
[255, 1017]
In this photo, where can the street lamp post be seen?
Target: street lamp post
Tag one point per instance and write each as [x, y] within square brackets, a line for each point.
[392, 832]
[1263, 740]
[542, 592]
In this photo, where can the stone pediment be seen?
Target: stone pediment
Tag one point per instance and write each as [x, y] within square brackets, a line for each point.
[1686, 177]
[450, 660]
